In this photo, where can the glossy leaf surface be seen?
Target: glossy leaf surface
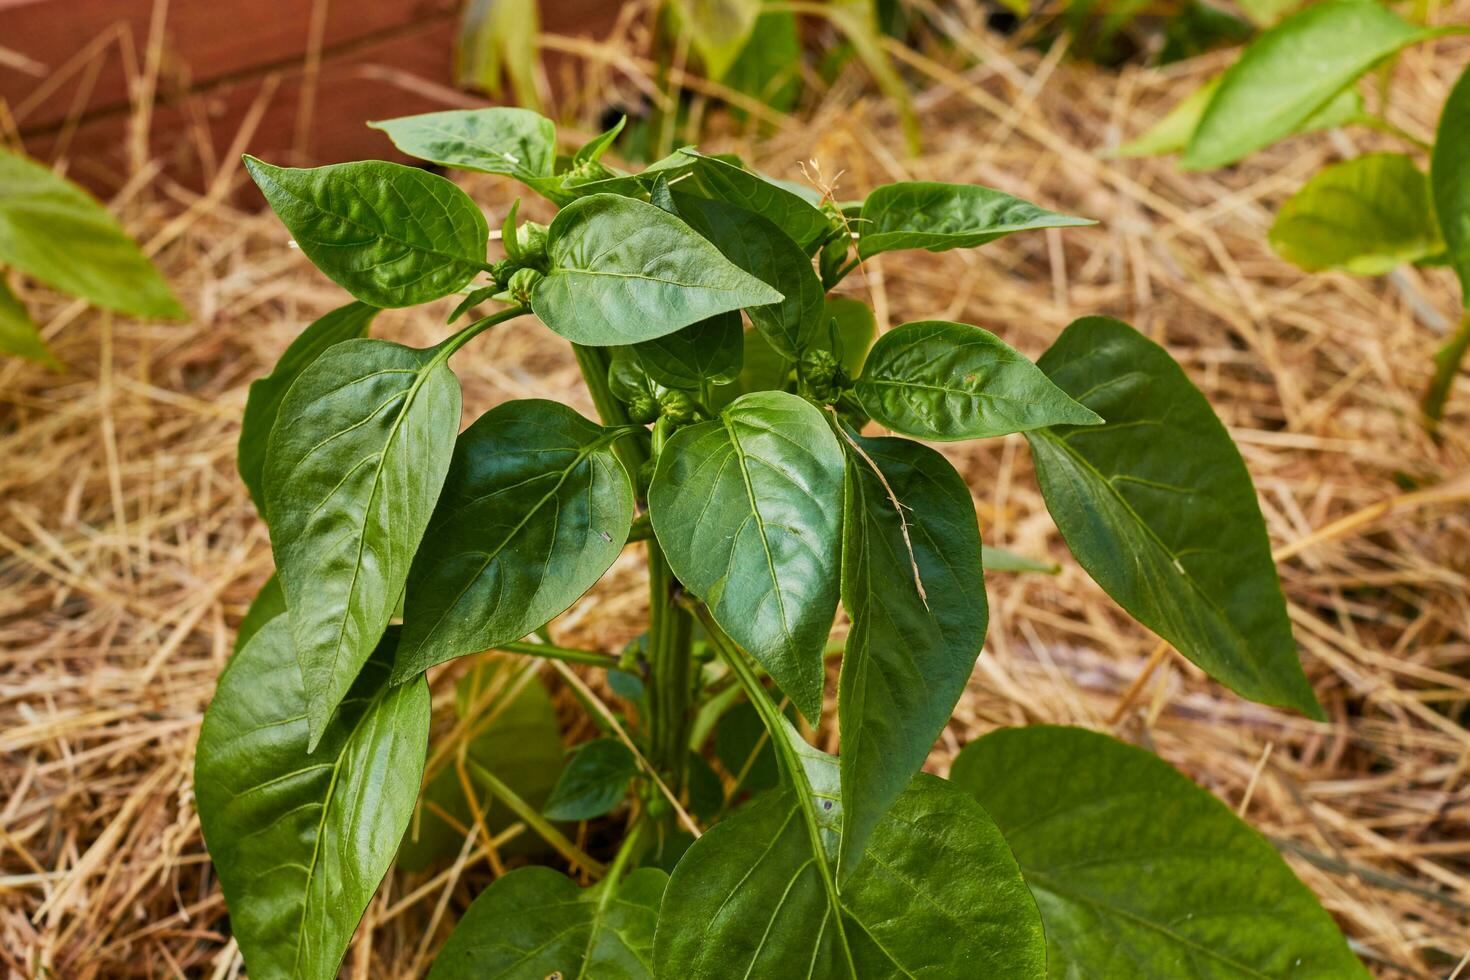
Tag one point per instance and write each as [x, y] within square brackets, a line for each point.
[534, 509]
[1158, 507]
[1366, 216]
[913, 586]
[944, 381]
[344, 323]
[298, 852]
[594, 781]
[1140, 873]
[721, 180]
[623, 271]
[356, 459]
[19, 334]
[388, 234]
[709, 351]
[501, 140]
[938, 217]
[535, 922]
[53, 230]
[748, 510]
[1449, 176]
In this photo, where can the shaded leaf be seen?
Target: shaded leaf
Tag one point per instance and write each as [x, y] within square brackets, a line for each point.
[719, 179]
[268, 603]
[938, 217]
[744, 748]
[594, 781]
[1449, 177]
[710, 351]
[19, 334]
[1004, 560]
[846, 330]
[768, 68]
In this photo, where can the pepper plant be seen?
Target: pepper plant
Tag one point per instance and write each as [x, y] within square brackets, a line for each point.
[744, 461]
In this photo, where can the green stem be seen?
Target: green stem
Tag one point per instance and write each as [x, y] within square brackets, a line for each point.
[1447, 363]
[553, 652]
[533, 819]
[593, 362]
[1384, 126]
[469, 333]
[631, 848]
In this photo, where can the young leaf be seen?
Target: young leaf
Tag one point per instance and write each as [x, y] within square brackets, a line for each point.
[1004, 560]
[707, 352]
[1290, 72]
[344, 323]
[938, 217]
[944, 381]
[721, 180]
[748, 510]
[297, 851]
[19, 334]
[763, 250]
[594, 148]
[268, 603]
[1449, 177]
[1366, 216]
[624, 271]
[1158, 507]
[53, 230]
[913, 587]
[535, 922]
[846, 330]
[390, 235]
[534, 509]
[511, 142]
[1138, 871]
[595, 780]
[356, 458]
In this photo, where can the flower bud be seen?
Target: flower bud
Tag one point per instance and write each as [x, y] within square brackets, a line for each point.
[522, 281]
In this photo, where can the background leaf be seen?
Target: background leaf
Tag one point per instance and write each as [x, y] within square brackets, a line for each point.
[719, 30]
[297, 854]
[1139, 873]
[390, 235]
[1158, 507]
[768, 68]
[19, 334]
[498, 38]
[938, 217]
[501, 140]
[846, 330]
[1449, 176]
[594, 781]
[710, 351]
[1004, 560]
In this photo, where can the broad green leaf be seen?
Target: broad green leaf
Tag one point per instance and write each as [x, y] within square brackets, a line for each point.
[1172, 133]
[498, 38]
[944, 381]
[56, 232]
[719, 30]
[707, 352]
[536, 922]
[1449, 177]
[344, 323]
[768, 68]
[1366, 216]
[534, 509]
[358, 453]
[390, 235]
[847, 330]
[913, 586]
[502, 140]
[594, 781]
[720, 180]
[1157, 506]
[1290, 72]
[1004, 560]
[268, 603]
[1140, 873]
[938, 217]
[760, 248]
[19, 334]
[624, 270]
[936, 895]
[748, 510]
[300, 839]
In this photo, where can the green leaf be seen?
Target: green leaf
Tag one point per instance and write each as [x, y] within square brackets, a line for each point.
[511, 142]
[475, 297]
[945, 381]
[53, 230]
[760, 248]
[358, 453]
[268, 603]
[719, 29]
[595, 780]
[594, 148]
[1290, 72]
[748, 510]
[720, 180]
[913, 586]
[1003, 560]
[761, 369]
[1158, 507]
[937, 893]
[390, 235]
[297, 852]
[1449, 176]
[847, 330]
[535, 922]
[1366, 216]
[1139, 873]
[707, 352]
[1172, 133]
[498, 38]
[624, 271]
[19, 334]
[858, 21]
[535, 507]
[743, 747]
[344, 323]
[938, 217]
[768, 68]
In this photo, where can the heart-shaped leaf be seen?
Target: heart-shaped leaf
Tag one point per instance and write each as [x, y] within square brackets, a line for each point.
[913, 587]
[390, 235]
[1158, 507]
[938, 217]
[595, 780]
[298, 852]
[748, 508]
[624, 270]
[356, 459]
[709, 352]
[344, 323]
[933, 379]
[535, 507]
[723, 180]
[19, 334]
[1139, 873]
[500, 140]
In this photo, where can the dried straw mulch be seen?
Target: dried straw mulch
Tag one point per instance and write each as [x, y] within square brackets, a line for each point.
[128, 548]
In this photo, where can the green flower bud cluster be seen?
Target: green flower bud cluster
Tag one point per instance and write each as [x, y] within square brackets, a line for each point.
[822, 376]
